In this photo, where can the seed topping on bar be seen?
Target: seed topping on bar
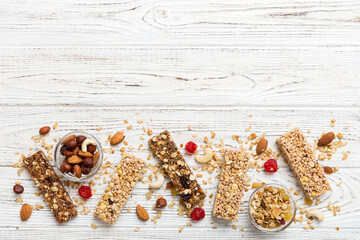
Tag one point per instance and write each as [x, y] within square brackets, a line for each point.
[232, 181]
[50, 186]
[122, 182]
[180, 174]
[300, 155]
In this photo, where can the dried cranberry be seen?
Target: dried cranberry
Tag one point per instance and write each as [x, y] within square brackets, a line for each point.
[282, 221]
[271, 165]
[197, 214]
[85, 192]
[191, 147]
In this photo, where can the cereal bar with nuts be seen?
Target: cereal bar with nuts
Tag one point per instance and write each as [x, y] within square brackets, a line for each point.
[122, 182]
[180, 174]
[300, 155]
[232, 181]
[50, 186]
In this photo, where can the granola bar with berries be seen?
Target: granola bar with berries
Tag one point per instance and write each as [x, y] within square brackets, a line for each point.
[180, 174]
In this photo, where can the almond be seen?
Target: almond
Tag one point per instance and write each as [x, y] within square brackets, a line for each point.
[77, 171]
[25, 212]
[68, 138]
[117, 138]
[74, 159]
[85, 154]
[44, 130]
[96, 157]
[326, 139]
[261, 146]
[76, 150]
[142, 213]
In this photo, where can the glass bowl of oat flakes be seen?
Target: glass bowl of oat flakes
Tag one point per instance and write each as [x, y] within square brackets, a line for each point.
[271, 208]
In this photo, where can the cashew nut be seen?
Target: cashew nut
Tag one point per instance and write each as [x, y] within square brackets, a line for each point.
[158, 183]
[316, 213]
[206, 157]
[86, 142]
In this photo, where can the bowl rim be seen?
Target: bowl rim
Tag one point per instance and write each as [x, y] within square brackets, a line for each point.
[93, 171]
[292, 202]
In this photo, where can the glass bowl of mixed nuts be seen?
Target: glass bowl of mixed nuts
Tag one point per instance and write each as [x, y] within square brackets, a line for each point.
[271, 208]
[78, 155]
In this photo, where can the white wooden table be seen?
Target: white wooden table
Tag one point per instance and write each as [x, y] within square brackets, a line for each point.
[204, 63]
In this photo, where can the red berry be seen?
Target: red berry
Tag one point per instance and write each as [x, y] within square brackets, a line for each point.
[271, 165]
[191, 147]
[197, 214]
[85, 192]
[282, 221]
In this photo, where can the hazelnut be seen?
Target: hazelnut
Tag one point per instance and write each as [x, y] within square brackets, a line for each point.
[88, 162]
[62, 149]
[65, 167]
[85, 170]
[77, 171]
[18, 189]
[91, 148]
[71, 145]
[161, 202]
[68, 153]
[80, 139]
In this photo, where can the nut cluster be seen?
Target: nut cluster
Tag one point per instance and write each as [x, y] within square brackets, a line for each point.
[271, 207]
[80, 155]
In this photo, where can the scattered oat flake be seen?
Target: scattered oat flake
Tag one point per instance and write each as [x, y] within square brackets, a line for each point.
[55, 125]
[94, 226]
[332, 122]
[250, 115]
[189, 127]
[137, 229]
[181, 229]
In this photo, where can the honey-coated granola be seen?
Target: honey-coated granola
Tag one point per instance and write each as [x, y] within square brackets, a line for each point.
[270, 207]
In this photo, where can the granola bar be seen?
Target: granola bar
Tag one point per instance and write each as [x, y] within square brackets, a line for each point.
[50, 186]
[122, 182]
[301, 157]
[231, 184]
[180, 174]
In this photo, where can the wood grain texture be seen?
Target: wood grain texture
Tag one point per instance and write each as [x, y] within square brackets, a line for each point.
[190, 76]
[139, 22]
[204, 63]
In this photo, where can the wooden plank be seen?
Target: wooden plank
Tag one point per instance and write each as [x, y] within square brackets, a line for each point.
[138, 22]
[187, 76]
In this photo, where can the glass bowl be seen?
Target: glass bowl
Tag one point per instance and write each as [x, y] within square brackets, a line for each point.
[292, 204]
[59, 159]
